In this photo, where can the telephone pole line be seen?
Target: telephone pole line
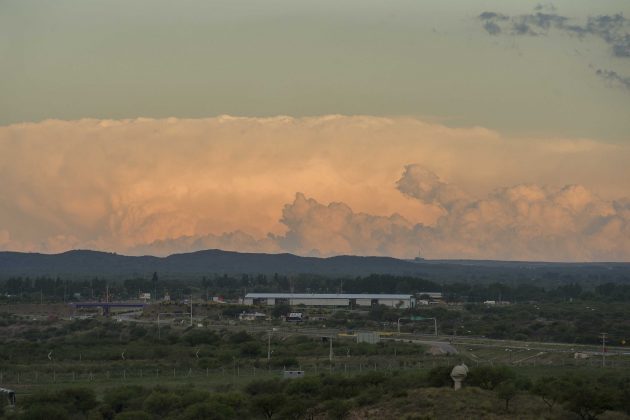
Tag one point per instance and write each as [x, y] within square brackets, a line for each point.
[603, 337]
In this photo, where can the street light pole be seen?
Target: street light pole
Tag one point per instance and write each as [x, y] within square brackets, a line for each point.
[330, 353]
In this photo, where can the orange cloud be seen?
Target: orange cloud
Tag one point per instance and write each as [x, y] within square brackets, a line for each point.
[169, 185]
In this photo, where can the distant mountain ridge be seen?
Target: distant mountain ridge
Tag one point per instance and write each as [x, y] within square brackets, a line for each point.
[82, 263]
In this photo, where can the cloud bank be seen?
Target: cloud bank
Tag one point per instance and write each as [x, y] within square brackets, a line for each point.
[313, 186]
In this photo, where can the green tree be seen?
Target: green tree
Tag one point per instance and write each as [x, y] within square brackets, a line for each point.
[125, 398]
[212, 410]
[488, 377]
[161, 402]
[549, 389]
[267, 404]
[241, 337]
[250, 349]
[269, 386]
[440, 376]
[79, 399]
[337, 408]
[46, 411]
[506, 391]
[295, 408]
[585, 397]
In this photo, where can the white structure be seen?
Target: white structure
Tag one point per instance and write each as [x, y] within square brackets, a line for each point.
[252, 316]
[368, 337]
[294, 317]
[432, 295]
[458, 374]
[321, 299]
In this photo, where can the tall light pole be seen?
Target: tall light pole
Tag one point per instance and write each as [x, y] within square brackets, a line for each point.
[330, 353]
[191, 323]
[420, 318]
[268, 346]
[603, 335]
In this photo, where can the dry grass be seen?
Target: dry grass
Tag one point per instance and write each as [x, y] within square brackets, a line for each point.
[444, 403]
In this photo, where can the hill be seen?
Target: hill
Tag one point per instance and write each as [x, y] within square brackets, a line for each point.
[81, 263]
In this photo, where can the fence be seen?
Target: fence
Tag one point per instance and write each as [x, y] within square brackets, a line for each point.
[228, 373]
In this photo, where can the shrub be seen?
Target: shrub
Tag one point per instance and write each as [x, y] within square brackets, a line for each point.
[197, 337]
[78, 399]
[269, 386]
[250, 349]
[161, 403]
[488, 377]
[125, 397]
[337, 408]
[208, 410]
[267, 404]
[240, 337]
[45, 411]
[585, 397]
[133, 415]
[305, 387]
[506, 391]
[440, 376]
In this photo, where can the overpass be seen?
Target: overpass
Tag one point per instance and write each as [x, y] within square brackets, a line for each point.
[106, 306]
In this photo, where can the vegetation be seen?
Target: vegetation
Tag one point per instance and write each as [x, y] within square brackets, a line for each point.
[337, 396]
[84, 366]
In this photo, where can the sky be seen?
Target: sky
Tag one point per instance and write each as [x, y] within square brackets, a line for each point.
[461, 129]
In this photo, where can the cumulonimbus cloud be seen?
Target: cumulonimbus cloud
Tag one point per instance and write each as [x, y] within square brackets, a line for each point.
[368, 185]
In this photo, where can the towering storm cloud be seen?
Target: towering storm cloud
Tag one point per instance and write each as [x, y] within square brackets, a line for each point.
[314, 186]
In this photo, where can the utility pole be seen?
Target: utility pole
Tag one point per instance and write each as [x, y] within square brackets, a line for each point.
[268, 346]
[603, 336]
[191, 296]
[330, 353]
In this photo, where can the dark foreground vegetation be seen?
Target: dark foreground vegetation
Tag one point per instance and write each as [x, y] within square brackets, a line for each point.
[490, 392]
[80, 365]
[104, 369]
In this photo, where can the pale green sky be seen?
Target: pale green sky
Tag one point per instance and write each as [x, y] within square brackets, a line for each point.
[124, 59]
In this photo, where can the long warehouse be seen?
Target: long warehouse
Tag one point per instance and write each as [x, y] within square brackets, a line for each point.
[326, 299]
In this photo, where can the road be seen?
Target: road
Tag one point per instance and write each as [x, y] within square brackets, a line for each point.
[445, 344]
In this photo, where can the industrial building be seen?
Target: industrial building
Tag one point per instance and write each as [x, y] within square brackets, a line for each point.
[324, 299]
